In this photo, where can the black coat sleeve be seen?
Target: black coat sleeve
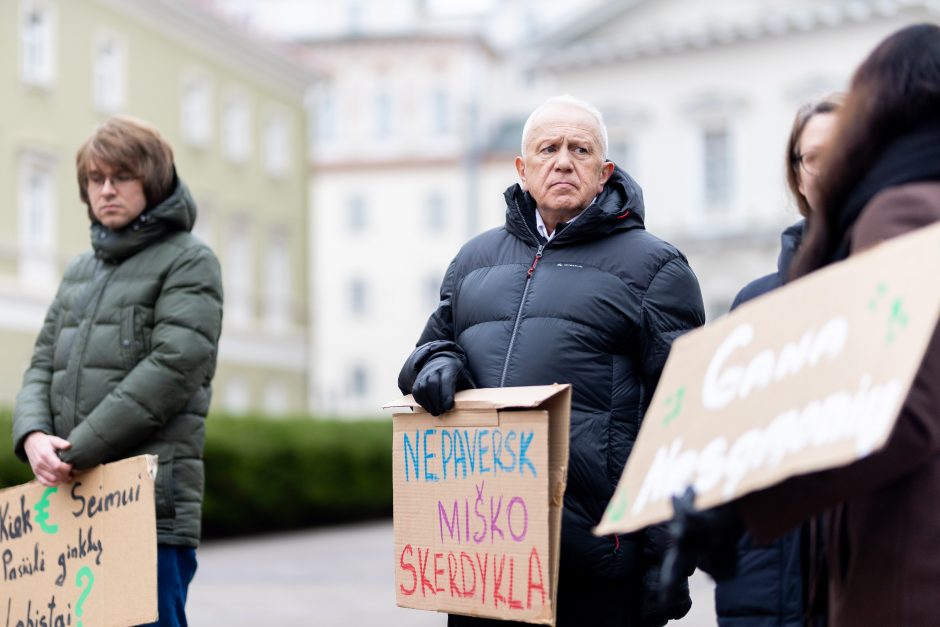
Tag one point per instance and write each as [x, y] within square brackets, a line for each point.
[671, 307]
[438, 335]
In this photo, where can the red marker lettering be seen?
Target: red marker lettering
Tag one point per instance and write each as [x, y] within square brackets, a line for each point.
[437, 571]
[423, 566]
[409, 567]
[540, 586]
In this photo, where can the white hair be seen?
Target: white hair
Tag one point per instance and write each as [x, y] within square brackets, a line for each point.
[571, 101]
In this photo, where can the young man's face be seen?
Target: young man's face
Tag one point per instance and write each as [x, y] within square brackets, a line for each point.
[116, 196]
[563, 167]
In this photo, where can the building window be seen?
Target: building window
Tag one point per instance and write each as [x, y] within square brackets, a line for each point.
[358, 297]
[37, 220]
[196, 110]
[275, 145]
[435, 216]
[357, 215]
[354, 13]
[238, 274]
[383, 113]
[717, 167]
[277, 282]
[359, 381]
[237, 396]
[37, 42]
[110, 74]
[236, 127]
[440, 111]
[275, 401]
[323, 112]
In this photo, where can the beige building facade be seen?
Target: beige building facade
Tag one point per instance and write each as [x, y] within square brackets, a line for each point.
[231, 107]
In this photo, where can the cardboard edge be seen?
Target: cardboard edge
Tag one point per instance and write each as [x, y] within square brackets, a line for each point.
[528, 397]
[152, 466]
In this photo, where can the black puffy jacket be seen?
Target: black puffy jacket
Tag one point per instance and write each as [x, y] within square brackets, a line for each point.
[790, 241]
[598, 307]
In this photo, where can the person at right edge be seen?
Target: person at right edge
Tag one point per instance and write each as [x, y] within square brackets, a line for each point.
[880, 179]
[777, 584]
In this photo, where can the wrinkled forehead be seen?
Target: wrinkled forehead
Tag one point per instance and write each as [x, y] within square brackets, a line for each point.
[567, 120]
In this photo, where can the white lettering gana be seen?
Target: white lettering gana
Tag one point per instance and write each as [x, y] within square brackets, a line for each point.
[862, 418]
[725, 382]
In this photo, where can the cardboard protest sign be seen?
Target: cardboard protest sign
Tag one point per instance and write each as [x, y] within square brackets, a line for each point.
[477, 502]
[82, 554]
[811, 376]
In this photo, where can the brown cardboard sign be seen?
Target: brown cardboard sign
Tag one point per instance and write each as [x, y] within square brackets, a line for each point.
[811, 376]
[82, 554]
[477, 502]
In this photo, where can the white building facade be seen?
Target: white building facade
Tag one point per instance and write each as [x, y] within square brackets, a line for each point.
[394, 193]
[416, 121]
[700, 97]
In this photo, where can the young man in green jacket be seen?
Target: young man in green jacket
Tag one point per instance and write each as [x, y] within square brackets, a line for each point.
[126, 355]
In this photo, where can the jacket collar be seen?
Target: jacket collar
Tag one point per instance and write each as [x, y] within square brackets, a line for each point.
[619, 206]
[176, 213]
[790, 241]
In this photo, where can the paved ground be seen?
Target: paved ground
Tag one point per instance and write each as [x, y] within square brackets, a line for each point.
[339, 577]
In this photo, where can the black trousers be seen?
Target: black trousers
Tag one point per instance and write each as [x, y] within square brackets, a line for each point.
[582, 602]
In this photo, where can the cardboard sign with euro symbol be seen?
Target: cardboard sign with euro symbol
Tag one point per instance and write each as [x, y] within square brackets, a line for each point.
[808, 377]
[81, 554]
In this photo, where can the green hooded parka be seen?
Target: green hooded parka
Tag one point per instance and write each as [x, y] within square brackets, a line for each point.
[124, 361]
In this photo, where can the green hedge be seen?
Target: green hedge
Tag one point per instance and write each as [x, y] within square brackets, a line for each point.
[268, 475]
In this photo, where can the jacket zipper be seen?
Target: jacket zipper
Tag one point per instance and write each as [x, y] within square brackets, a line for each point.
[515, 326]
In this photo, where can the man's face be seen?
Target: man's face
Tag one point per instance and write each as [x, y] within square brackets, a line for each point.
[564, 166]
[116, 196]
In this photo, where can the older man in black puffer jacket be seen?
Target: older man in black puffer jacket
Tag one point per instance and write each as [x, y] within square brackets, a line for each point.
[572, 289]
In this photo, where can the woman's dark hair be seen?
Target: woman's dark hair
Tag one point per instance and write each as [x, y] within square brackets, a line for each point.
[827, 104]
[129, 145]
[894, 91]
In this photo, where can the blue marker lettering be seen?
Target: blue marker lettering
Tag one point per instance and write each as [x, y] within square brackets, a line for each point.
[447, 450]
[428, 475]
[483, 450]
[410, 455]
[461, 458]
[524, 443]
[512, 454]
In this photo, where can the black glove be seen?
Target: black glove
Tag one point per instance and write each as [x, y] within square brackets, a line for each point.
[657, 609]
[440, 377]
[704, 538]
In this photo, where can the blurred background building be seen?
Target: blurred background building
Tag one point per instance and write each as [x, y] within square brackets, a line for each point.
[231, 107]
[342, 150]
[699, 99]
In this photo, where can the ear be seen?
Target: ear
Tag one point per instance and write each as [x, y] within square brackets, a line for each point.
[607, 169]
[520, 169]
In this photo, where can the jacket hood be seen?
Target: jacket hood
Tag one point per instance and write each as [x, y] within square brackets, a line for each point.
[176, 213]
[618, 206]
[790, 241]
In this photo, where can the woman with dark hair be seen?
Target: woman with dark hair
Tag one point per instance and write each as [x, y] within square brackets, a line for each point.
[776, 583]
[880, 179]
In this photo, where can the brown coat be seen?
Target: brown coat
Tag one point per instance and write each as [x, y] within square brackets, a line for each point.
[882, 512]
